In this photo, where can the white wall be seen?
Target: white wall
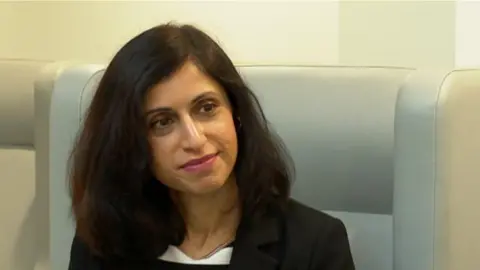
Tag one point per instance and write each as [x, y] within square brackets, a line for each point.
[268, 32]
[387, 32]
[397, 33]
[467, 40]
[7, 29]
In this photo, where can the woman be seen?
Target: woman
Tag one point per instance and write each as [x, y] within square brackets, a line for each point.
[176, 168]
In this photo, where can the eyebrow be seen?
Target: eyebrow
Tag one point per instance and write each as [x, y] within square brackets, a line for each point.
[195, 100]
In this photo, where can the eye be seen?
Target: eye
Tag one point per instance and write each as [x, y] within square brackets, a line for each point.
[162, 123]
[208, 108]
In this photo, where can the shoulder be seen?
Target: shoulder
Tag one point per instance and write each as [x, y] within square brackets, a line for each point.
[304, 221]
[302, 215]
[322, 238]
[81, 257]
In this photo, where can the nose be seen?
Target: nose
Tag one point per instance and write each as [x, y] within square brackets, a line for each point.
[194, 137]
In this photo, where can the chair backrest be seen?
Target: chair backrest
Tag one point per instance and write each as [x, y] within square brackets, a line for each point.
[338, 126]
[390, 151]
[436, 172]
[23, 202]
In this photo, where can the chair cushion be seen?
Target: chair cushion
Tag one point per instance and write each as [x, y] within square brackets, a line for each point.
[16, 101]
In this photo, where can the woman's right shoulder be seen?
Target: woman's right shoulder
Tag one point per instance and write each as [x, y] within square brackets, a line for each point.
[81, 256]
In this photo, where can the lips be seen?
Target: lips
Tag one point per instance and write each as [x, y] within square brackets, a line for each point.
[198, 161]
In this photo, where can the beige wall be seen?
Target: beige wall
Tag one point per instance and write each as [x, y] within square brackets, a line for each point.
[402, 33]
[7, 29]
[282, 32]
[467, 40]
[397, 33]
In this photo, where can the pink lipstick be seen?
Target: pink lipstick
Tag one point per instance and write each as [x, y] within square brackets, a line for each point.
[200, 164]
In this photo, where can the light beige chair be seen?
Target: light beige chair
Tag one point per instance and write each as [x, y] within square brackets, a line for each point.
[393, 152]
[48, 139]
[23, 201]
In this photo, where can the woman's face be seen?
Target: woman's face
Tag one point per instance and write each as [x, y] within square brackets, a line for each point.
[191, 132]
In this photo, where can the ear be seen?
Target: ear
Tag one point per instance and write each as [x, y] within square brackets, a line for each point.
[238, 123]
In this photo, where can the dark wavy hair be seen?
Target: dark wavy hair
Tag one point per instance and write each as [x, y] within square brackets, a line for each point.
[120, 209]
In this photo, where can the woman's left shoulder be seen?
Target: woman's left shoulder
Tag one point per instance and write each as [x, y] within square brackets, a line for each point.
[319, 236]
[301, 216]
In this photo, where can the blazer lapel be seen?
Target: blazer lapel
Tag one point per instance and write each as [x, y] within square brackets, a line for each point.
[254, 247]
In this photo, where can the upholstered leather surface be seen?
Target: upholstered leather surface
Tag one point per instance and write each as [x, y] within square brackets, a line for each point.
[437, 177]
[337, 123]
[391, 151]
[60, 103]
[21, 220]
[16, 102]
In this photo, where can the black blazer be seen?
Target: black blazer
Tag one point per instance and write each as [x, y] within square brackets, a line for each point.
[304, 239]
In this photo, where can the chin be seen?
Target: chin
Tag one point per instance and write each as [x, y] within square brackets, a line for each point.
[208, 186]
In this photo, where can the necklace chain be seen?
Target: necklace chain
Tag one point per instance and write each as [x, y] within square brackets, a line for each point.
[215, 250]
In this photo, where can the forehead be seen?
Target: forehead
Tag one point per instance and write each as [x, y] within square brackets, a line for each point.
[181, 88]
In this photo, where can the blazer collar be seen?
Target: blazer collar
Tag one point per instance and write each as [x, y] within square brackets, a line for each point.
[253, 245]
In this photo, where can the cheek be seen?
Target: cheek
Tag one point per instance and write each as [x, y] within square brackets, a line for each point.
[161, 155]
[227, 135]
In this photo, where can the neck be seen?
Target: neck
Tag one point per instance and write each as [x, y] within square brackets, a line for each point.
[212, 214]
